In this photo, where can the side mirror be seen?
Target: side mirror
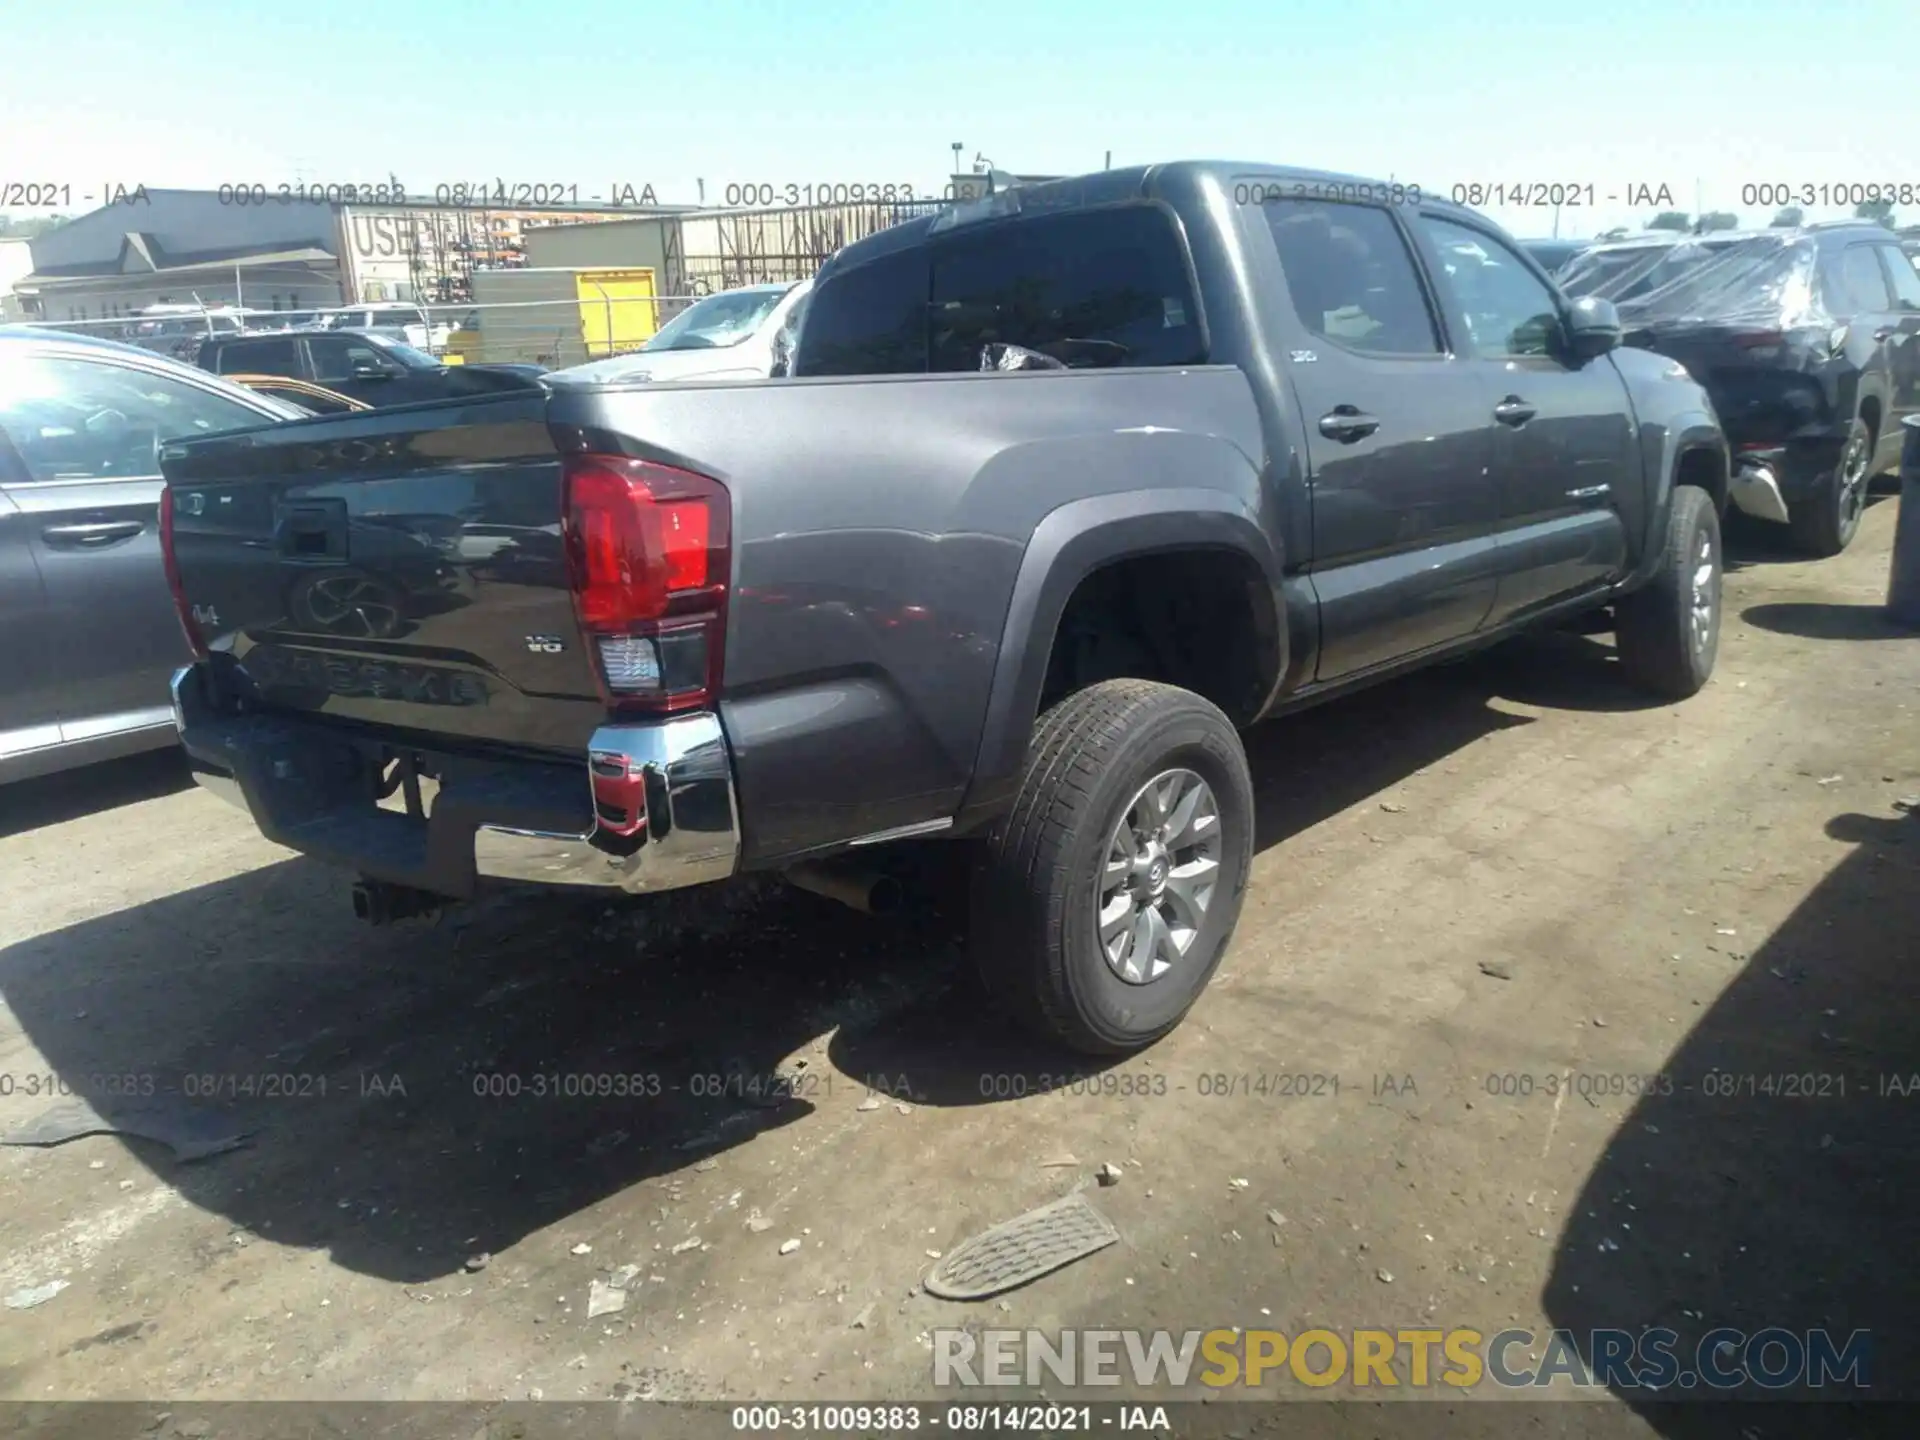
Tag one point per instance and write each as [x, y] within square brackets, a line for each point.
[1593, 327]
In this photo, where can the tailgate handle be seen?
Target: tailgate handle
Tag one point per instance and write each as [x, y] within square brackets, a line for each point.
[312, 530]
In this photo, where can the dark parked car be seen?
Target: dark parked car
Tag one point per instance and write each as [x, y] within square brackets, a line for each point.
[1808, 340]
[1067, 487]
[362, 364]
[87, 633]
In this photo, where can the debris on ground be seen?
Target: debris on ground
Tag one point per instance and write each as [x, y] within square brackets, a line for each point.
[34, 1295]
[1066, 1161]
[1021, 1250]
[1276, 1219]
[1385, 1277]
[1392, 807]
[581, 1249]
[624, 1276]
[1239, 1182]
[479, 1262]
[864, 1318]
[190, 1134]
[1109, 1174]
[872, 1102]
[758, 1223]
[604, 1299]
[1498, 969]
[787, 1247]
[692, 1242]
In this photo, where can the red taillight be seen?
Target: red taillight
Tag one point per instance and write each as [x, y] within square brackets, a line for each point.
[196, 642]
[648, 556]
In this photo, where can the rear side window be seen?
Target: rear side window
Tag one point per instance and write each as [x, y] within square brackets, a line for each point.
[1856, 282]
[1904, 276]
[871, 320]
[1351, 277]
[1089, 288]
[259, 357]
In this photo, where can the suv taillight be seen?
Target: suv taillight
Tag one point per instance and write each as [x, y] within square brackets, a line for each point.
[196, 642]
[649, 549]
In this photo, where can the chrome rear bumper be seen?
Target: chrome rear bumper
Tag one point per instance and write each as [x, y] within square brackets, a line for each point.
[690, 830]
[656, 809]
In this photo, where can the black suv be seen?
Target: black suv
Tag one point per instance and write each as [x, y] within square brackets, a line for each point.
[366, 365]
[1807, 339]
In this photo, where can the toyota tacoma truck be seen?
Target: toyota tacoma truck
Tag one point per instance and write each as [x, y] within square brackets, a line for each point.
[1068, 487]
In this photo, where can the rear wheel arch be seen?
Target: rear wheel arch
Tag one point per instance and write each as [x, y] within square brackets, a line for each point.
[1201, 536]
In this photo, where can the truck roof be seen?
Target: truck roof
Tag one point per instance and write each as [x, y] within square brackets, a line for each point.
[1109, 187]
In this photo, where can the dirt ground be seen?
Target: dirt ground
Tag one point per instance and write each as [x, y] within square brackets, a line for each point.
[1467, 882]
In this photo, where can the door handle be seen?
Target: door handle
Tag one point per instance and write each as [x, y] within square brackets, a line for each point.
[1590, 492]
[1514, 411]
[93, 534]
[1347, 424]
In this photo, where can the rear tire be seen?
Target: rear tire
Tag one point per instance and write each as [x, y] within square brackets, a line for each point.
[1668, 631]
[1826, 521]
[1133, 822]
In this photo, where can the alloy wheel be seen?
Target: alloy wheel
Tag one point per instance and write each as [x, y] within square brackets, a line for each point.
[1162, 865]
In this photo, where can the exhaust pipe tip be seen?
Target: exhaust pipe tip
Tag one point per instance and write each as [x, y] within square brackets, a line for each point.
[867, 891]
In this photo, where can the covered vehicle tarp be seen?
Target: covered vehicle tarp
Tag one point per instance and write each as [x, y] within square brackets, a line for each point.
[1754, 281]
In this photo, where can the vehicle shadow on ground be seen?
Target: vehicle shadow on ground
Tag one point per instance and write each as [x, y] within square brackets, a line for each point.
[1307, 768]
[1775, 1185]
[110, 785]
[1751, 542]
[420, 1093]
[1817, 621]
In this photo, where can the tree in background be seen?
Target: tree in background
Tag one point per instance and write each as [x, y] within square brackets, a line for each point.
[1670, 220]
[1788, 217]
[1716, 220]
[1879, 211]
[12, 229]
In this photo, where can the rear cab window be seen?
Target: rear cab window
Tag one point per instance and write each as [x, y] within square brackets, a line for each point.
[1089, 288]
[258, 357]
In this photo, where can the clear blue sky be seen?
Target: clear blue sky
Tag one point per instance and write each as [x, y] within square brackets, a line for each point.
[1713, 94]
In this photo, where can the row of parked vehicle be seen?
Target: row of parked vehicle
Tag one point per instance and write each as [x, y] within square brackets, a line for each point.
[1808, 340]
[1043, 501]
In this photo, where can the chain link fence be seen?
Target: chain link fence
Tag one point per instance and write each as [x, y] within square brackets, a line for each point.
[554, 332]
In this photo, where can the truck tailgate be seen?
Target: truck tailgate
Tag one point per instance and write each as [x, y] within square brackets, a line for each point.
[403, 568]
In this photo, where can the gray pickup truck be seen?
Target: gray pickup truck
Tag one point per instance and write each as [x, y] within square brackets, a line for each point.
[1068, 487]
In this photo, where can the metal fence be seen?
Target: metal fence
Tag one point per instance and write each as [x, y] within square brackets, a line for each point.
[542, 332]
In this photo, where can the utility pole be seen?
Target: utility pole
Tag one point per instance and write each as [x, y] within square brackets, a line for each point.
[953, 175]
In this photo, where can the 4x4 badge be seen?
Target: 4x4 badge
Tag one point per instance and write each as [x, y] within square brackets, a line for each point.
[545, 644]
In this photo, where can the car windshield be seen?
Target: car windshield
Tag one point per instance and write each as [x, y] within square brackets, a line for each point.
[716, 322]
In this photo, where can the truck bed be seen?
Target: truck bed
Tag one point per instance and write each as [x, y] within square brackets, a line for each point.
[406, 572]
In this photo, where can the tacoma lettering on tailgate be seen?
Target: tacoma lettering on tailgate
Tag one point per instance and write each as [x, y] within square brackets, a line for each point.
[278, 668]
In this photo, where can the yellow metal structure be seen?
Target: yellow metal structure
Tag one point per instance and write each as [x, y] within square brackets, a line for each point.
[557, 315]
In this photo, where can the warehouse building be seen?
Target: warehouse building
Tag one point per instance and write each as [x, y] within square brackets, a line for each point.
[187, 246]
